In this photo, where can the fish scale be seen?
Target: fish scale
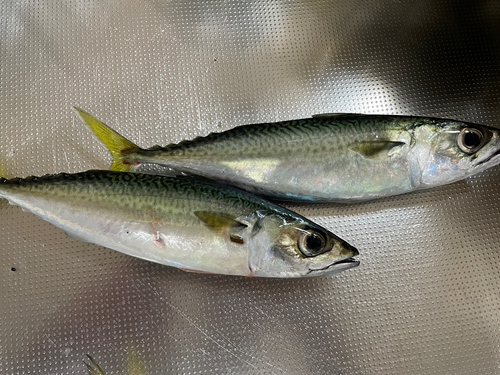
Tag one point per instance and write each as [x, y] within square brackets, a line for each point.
[249, 138]
[326, 158]
[188, 222]
[126, 188]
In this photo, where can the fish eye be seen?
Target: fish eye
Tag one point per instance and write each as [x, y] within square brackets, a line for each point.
[470, 140]
[311, 243]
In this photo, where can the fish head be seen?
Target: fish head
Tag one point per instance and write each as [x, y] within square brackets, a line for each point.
[283, 245]
[445, 151]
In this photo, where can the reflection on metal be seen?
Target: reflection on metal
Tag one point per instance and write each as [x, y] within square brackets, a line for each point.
[135, 364]
[425, 298]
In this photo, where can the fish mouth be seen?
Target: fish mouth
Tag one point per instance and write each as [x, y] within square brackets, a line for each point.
[336, 267]
[496, 153]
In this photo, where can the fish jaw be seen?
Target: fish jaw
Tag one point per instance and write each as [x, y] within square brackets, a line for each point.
[274, 269]
[488, 160]
[345, 262]
[337, 267]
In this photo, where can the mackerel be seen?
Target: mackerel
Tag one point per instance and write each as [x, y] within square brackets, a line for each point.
[326, 158]
[187, 222]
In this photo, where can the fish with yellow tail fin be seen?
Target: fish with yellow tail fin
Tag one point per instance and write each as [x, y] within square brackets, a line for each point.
[186, 222]
[331, 157]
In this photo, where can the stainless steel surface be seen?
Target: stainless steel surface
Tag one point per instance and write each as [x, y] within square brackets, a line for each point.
[426, 298]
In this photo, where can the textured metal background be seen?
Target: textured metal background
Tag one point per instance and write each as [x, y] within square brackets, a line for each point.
[426, 298]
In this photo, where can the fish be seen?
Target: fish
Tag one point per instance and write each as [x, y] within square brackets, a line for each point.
[326, 158]
[187, 222]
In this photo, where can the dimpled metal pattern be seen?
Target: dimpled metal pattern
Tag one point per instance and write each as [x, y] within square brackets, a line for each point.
[426, 296]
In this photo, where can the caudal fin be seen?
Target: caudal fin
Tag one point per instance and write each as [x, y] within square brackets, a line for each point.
[118, 145]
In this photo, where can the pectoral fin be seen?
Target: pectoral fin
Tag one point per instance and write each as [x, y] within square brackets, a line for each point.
[379, 150]
[222, 225]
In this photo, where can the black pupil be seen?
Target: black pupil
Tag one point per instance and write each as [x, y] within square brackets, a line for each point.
[471, 139]
[314, 242]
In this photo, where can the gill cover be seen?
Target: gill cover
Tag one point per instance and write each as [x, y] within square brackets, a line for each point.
[447, 151]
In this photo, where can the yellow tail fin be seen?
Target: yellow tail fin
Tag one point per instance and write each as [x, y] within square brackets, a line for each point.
[115, 143]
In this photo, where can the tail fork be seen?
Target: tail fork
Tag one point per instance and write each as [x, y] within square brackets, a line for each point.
[117, 145]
